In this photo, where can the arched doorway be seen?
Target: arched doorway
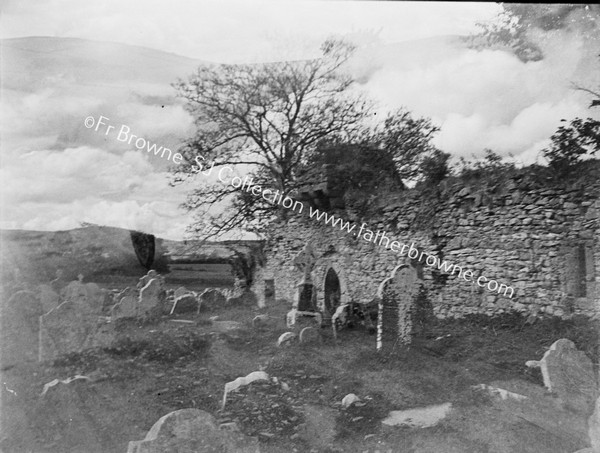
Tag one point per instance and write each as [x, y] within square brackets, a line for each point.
[333, 292]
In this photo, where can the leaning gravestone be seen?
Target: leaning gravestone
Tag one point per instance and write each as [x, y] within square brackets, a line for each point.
[396, 297]
[569, 374]
[192, 430]
[151, 299]
[19, 327]
[185, 303]
[182, 290]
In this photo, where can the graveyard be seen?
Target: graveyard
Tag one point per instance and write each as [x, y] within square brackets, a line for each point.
[328, 227]
[107, 361]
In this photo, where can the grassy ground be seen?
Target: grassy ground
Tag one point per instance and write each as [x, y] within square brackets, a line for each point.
[155, 369]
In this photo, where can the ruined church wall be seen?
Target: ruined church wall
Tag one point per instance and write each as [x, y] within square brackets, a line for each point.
[543, 242]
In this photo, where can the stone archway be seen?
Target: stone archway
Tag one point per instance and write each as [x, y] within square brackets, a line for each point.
[332, 292]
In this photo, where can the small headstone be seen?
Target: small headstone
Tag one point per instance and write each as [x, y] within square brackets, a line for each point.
[260, 320]
[310, 335]
[212, 298]
[186, 303]
[286, 339]
[189, 430]
[19, 327]
[396, 297]
[48, 298]
[569, 374]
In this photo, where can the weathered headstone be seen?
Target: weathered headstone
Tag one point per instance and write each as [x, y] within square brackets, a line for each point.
[192, 430]
[48, 298]
[269, 291]
[186, 303]
[569, 374]
[126, 307]
[71, 327]
[151, 299]
[182, 290]
[310, 335]
[151, 275]
[212, 298]
[19, 328]
[396, 298]
[89, 294]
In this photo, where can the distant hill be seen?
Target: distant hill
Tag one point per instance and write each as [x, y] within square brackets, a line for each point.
[106, 255]
[45, 62]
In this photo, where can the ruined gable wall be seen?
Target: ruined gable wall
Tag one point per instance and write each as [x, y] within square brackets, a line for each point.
[542, 241]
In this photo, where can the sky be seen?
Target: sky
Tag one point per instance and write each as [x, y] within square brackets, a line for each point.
[58, 174]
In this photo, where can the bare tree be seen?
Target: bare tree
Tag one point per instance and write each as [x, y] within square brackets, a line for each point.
[264, 119]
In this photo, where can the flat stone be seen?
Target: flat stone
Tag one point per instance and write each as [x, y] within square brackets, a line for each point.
[422, 417]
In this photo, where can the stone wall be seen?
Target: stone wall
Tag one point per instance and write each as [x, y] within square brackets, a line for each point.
[539, 238]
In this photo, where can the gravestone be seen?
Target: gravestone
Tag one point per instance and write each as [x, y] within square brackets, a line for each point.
[126, 307]
[333, 293]
[181, 291]
[212, 298]
[151, 275]
[397, 296]
[310, 335]
[19, 324]
[151, 299]
[269, 291]
[192, 430]
[185, 303]
[68, 328]
[89, 294]
[307, 297]
[48, 298]
[569, 374]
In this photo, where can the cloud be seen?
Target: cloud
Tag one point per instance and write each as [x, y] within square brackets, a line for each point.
[488, 98]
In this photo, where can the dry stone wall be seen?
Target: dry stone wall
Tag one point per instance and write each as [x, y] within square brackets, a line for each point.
[541, 240]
